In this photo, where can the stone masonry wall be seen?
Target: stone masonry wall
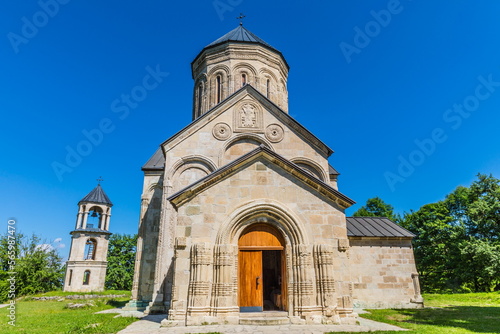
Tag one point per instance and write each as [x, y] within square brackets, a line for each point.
[381, 271]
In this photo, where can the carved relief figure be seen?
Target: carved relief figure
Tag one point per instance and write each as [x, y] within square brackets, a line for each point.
[248, 116]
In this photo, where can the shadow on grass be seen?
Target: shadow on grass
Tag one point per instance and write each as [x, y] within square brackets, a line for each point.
[472, 318]
[117, 303]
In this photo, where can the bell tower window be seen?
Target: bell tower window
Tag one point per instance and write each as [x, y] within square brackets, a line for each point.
[243, 79]
[86, 277]
[90, 247]
[268, 88]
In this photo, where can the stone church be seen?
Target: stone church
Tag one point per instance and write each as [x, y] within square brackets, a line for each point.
[241, 214]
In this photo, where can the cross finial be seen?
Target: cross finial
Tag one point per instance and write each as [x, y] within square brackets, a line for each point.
[241, 17]
[99, 180]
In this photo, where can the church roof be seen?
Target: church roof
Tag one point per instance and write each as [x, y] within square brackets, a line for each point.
[375, 227]
[261, 151]
[241, 35]
[156, 162]
[97, 195]
[332, 171]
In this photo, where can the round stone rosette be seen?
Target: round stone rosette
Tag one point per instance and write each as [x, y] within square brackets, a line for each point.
[274, 133]
[222, 131]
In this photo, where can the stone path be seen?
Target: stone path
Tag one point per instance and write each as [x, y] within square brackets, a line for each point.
[151, 324]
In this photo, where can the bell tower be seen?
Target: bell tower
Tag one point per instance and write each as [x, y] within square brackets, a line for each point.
[86, 266]
[234, 60]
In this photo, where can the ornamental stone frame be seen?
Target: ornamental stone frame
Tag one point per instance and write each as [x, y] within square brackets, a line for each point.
[309, 268]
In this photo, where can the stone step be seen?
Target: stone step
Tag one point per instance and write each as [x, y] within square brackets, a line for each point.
[264, 318]
[265, 314]
[265, 321]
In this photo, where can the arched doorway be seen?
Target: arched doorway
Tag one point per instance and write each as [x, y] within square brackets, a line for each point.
[261, 269]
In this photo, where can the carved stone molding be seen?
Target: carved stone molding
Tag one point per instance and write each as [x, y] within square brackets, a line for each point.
[274, 133]
[180, 242]
[343, 245]
[222, 131]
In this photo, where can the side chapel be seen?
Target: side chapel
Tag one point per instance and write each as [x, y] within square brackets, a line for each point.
[241, 211]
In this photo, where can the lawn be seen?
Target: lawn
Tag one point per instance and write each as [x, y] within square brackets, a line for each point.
[444, 313]
[53, 316]
[447, 313]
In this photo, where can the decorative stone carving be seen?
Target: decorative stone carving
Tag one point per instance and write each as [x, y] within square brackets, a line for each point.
[247, 118]
[345, 302]
[222, 131]
[199, 284]
[303, 288]
[274, 133]
[343, 245]
[325, 282]
[180, 242]
[224, 287]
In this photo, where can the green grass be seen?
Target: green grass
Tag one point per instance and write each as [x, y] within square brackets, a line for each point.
[444, 313]
[447, 313]
[40, 317]
[63, 293]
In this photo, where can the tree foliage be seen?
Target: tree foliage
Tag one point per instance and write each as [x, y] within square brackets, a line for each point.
[121, 259]
[376, 207]
[34, 265]
[457, 244]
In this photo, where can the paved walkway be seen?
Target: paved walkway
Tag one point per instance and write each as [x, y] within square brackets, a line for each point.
[151, 324]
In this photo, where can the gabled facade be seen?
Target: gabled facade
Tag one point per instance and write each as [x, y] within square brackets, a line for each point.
[241, 210]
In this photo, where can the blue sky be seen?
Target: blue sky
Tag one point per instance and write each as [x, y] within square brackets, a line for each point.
[406, 93]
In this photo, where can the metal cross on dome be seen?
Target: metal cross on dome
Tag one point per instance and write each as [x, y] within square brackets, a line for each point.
[241, 17]
[99, 180]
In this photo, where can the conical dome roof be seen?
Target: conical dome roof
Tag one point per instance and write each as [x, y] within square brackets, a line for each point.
[240, 34]
[97, 195]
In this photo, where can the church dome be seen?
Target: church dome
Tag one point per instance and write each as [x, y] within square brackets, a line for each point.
[234, 60]
[241, 35]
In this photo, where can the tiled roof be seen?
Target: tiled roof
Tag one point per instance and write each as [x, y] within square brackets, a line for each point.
[375, 227]
[97, 195]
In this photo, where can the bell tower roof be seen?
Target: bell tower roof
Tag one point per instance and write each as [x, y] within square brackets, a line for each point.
[97, 195]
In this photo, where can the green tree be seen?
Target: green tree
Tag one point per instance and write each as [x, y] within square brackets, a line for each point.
[436, 245]
[376, 207]
[479, 268]
[458, 239]
[38, 267]
[121, 259]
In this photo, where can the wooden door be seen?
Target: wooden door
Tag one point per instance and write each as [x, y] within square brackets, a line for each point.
[284, 285]
[250, 277]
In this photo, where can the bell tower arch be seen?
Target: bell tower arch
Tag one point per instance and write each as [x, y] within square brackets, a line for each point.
[87, 262]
